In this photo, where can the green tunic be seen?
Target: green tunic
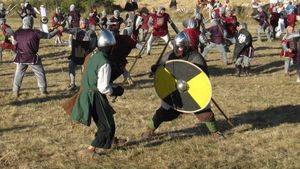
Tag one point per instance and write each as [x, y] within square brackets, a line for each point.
[84, 104]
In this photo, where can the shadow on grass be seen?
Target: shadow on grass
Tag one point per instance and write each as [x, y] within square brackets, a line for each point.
[219, 71]
[27, 88]
[56, 55]
[267, 55]
[16, 128]
[266, 48]
[41, 99]
[268, 68]
[260, 119]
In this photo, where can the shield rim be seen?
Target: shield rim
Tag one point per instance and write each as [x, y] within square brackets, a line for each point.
[192, 64]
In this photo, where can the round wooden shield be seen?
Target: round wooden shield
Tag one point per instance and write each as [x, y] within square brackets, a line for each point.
[183, 86]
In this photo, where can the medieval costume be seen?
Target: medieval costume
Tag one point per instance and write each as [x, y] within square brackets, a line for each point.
[291, 17]
[27, 42]
[288, 50]
[243, 51]
[3, 11]
[135, 4]
[119, 54]
[44, 19]
[217, 39]
[27, 10]
[159, 22]
[94, 19]
[73, 18]
[103, 20]
[230, 24]
[6, 44]
[114, 23]
[145, 26]
[165, 112]
[193, 32]
[133, 26]
[58, 19]
[173, 4]
[91, 102]
[274, 18]
[128, 6]
[83, 42]
[264, 25]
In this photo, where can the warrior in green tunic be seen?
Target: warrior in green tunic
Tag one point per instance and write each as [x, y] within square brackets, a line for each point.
[91, 103]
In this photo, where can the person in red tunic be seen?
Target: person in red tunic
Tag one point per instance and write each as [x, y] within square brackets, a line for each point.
[6, 44]
[159, 22]
[145, 26]
[94, 18]
[56, 21]
[291, 18]
[191, 29]
[230, 24]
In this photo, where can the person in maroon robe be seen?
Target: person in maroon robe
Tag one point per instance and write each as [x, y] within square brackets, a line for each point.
[118, 58]
[27, 42]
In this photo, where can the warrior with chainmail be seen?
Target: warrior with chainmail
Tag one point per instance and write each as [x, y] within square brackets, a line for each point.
[243, 51]
[165, 112]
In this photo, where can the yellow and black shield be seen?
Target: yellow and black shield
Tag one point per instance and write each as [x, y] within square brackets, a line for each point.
[183, 86]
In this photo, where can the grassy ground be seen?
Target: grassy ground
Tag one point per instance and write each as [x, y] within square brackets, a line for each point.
[36, 133]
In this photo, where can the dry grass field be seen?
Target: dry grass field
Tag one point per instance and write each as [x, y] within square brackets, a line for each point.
[265, 108]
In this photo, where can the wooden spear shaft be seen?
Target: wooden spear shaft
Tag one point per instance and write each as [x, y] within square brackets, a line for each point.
[222, 112]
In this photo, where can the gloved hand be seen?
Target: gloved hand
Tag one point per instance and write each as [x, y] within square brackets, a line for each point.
[118, 91]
